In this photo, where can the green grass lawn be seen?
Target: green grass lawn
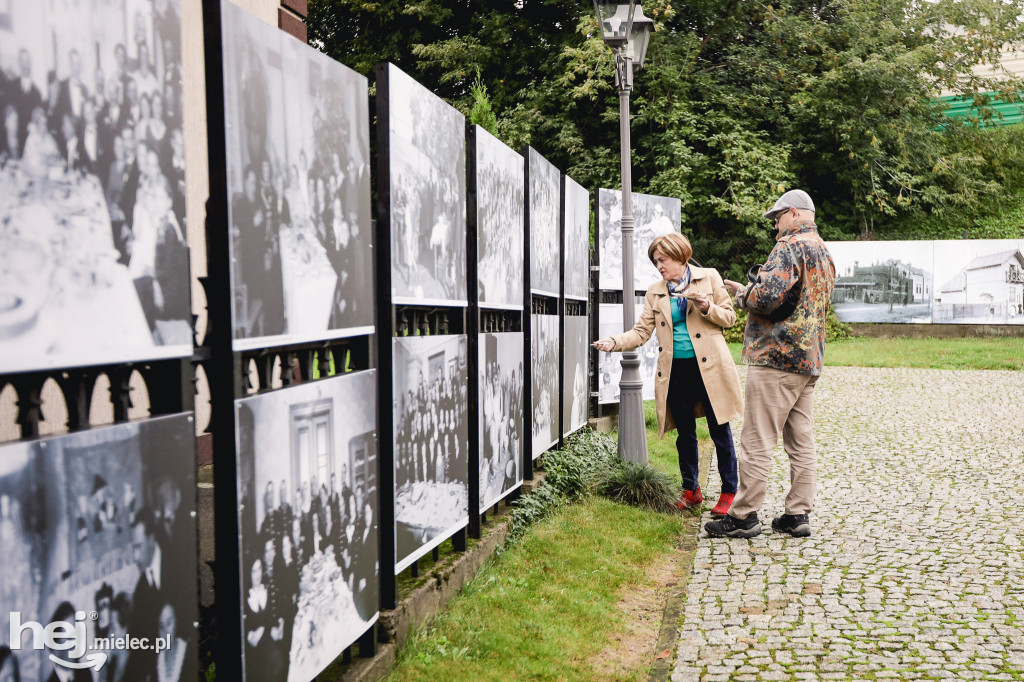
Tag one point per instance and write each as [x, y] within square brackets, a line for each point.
[971, 353]
[545, 607]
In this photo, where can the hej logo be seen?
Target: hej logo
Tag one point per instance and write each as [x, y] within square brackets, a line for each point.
[58, 636]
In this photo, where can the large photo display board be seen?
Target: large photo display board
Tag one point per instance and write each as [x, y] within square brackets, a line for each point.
[609, 365]
[298, 151]
[307, 462]
[431, 443]
[427, 163]
[102, 522]
[501, 415]
[979, 282]
[577, 240]
[653, 216]
[574, 380]
[545, 195]
[544, 365]
[883, 281]
[968, 281]
[499, 204]
[94, 264]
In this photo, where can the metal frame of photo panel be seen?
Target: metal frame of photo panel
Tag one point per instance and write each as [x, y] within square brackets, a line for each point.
[59, 312]
[227, 370]
[240, 26]
[394, 320]
[483, 317]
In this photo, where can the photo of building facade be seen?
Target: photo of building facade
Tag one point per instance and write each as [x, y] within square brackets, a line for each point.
[989, 289]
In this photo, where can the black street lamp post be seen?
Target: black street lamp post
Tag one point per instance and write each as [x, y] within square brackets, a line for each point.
[627, 31]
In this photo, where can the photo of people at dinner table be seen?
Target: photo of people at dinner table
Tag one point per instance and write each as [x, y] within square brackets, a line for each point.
[93, 253]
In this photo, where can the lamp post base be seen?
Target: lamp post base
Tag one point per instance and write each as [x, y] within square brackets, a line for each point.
[632, 429]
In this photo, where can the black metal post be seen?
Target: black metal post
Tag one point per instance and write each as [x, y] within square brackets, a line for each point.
[224, 371]
[385, 332]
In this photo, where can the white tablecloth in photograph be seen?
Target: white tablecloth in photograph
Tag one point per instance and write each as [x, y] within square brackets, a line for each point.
[64, 298]
[309, 281]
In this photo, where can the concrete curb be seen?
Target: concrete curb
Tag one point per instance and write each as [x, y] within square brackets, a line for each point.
[675, 599]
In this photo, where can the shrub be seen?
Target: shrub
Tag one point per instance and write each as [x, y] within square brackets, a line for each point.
[569, 474]
[639, 485]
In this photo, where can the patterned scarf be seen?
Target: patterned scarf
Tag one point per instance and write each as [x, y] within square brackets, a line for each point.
[676, 292]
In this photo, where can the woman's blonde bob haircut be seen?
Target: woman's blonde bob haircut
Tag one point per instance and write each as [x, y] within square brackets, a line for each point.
[674, 245]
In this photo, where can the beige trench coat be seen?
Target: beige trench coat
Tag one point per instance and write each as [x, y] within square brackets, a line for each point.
[717, 368]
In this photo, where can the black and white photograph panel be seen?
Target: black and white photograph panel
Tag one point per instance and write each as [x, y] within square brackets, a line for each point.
[299, 185]
[545, 216]
[883, 281]
[544, 365]
[431, 408]
[94, 264]
[102, 522]
[979, 282]
[653, 216]
[500, 197]
[574, 380]
[609, 365]
[427, 159]
[501, 415]
[576, 249]
[307, 462]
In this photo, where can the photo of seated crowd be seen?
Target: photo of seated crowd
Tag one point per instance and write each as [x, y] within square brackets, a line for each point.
[299, 177]
[307, 460]
[427, 139]
[500, 207]
[544, 365]
[545, 237]
[577, 240]
[501, 408]
[653, 216]
[92, 175]
[431, 442]
[99, 522]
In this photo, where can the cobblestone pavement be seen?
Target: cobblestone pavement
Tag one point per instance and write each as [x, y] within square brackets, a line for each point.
[915, 566]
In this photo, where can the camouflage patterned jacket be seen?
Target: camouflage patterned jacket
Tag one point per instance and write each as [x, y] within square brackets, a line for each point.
[800, 266]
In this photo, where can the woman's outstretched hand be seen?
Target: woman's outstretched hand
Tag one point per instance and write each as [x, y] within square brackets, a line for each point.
[606, 345]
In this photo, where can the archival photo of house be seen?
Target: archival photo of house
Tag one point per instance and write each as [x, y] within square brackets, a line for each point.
[981, 282]
[883, 281]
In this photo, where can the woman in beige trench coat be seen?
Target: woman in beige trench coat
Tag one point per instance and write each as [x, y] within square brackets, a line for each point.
[696, 376]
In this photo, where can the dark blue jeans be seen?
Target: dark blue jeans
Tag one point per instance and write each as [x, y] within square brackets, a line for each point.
[686, 389]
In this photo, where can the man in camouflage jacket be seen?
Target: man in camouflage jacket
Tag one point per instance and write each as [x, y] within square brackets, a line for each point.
[784, 346]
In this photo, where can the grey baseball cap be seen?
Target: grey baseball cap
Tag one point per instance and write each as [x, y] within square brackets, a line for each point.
[794, 198]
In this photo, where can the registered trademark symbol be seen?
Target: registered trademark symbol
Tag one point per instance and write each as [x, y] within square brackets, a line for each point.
[93, 615]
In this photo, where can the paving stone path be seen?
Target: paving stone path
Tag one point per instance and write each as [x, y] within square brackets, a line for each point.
[915, 568]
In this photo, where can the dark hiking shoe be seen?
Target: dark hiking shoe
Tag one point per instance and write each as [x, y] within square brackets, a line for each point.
[731, 527]
[798, 525]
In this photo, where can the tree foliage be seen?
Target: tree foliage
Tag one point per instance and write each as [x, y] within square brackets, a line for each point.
[739, 101]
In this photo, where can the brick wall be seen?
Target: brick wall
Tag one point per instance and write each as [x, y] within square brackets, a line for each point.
[291, 18]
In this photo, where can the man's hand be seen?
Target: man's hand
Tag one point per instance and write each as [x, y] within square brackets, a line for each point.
[732, 286]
